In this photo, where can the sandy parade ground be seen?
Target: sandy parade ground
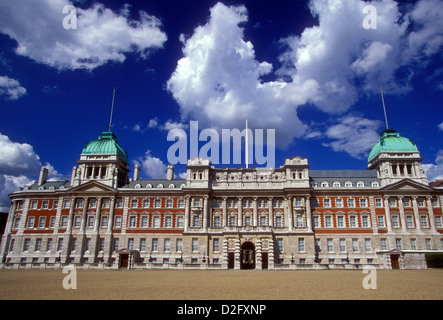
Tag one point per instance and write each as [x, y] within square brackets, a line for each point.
[220, 285]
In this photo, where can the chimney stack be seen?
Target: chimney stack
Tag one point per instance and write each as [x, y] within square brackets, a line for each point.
[136, 171]
[170, 172]
[43, 176]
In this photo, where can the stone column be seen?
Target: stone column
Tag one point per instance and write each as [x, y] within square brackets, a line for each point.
[271, 214]
[224, 217]
[187, 212]
[388, 214]
[205, 213]
[254, 206]
[431, 214]
[416, 214]
[240, 212]
[290, 214]
[402, 214]
[308, 213]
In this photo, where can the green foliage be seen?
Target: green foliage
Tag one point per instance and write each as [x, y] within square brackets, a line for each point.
[434, 260]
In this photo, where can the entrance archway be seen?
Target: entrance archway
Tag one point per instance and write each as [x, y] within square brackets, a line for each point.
[247, 256]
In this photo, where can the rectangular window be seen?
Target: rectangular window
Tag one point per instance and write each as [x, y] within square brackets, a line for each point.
[365, 221]
[90, 221]
[363, 203]
[354, 245]
[278, 222]
[340, 221]
[132, 222]
[217, 222]
[134, 203]
[395, 222]
[301, 244]
[398, 244]
[181, 203]
[115, 244]
[144, 221]
[438, 221]
[26, 244]
[194, 244]
[378, 203]
[41, 222]
[156, 222]
[383, 244]
[154, 244]
[368, 246]
[280, 245]
[330, 245]
[381, 221]
[327, 203]
[339, 203]
[316, 221]
[413, 244]
[33, 204]
[180, 222]
[342, 245]
[196, 221]
[168, 222]
[216, 245]
[45, 204]
[424, 221]
[145, 203]
[167, 245]
[328, 221]
[143, 244]
[157, 203]
[60, 244]
[179, 244]
[263, 221]
[104, 223]
[232, 221]
[38, 244]
[351, 203]
[77, 221]
[169, 203]
[118, 221]
[31, 222]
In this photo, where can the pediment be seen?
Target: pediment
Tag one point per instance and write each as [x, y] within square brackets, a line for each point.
[92, 186]
[407, 185]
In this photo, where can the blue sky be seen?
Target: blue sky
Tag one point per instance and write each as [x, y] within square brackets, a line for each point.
[308, 69]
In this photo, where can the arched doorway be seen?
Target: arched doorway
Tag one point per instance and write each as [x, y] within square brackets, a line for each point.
[247, 256]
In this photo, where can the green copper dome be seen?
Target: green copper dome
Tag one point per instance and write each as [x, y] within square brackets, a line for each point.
[390, 140]
[105, 144]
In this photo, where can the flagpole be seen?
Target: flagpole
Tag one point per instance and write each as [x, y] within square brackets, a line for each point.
[384, 108]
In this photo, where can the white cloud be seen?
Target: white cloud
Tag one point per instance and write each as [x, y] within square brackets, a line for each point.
[440, 126]
[8, 185]
[101, 35]
[153, 123]
[354, 135]
[17, 158]
[11, 88]
[153, 167]
[218, 81]
[373, 55]
[435, 171]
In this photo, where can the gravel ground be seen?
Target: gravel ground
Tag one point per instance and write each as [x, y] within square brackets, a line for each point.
[220, 285]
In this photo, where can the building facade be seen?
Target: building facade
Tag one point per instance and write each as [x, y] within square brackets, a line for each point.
[291, 217]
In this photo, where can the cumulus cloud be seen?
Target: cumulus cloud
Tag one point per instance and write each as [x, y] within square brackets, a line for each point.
[435, 171]
[11, 89]
[354, 135]
[17, 158]
[8, 185]
[331, 65]
[219, 81]
[153, 167]
[101, 35]
[19, 164]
